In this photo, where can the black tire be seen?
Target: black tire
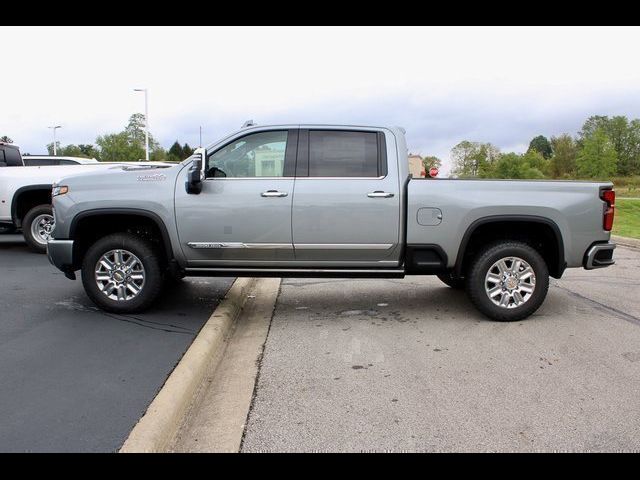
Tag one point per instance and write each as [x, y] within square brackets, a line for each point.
[35, 244]
[475, 280]
[150, 260]
[456, 283]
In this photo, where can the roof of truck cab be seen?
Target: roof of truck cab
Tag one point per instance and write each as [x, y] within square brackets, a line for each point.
[315, 125]
[395, 129]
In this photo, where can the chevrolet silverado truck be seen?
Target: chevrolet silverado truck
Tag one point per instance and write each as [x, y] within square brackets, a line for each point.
[323, 201]
[25, 192]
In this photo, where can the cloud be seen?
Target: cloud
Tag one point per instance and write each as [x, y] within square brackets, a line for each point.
[433, 126]
[444, 85]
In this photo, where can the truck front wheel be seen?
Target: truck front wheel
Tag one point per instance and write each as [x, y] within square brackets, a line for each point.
[121, 273]
[37, 226]
[508, 281]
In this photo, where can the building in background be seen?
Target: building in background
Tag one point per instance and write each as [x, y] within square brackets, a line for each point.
[416, 167]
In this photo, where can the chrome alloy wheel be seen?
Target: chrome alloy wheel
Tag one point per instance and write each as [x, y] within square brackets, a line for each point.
[510, 282]
[41, 228]
[120, 275]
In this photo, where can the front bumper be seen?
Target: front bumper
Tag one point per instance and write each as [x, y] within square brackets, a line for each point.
[599, 255]
[60, 253]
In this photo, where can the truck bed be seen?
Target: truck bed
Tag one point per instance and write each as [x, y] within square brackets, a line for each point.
[440, 211]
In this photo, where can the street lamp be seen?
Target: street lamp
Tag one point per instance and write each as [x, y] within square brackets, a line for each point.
[55, 151]
[146, 120]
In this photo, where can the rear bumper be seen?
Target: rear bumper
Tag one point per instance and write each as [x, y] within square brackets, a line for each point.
[60, 253]
[599, 255]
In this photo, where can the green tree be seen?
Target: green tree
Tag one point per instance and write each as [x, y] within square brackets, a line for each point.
[176, 153]
[535, 160]
[597, 157]
[473, 159]
[431, 161]
[630, 164]
[82, 150]
[541, 144]
[129, 145]
[135, 130]
[509, 165]
[50, 147]
[118, 147]
[158, 154]
[5, 139]
[624, 136]
[88, 151]
[565, 151]
[590, 126]
[513, 165]
[187, 151]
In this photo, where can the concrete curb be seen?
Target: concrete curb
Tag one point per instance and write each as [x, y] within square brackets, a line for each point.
[626, 241]
[155, 430]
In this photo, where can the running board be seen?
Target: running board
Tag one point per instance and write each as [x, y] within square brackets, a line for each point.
[294, 272]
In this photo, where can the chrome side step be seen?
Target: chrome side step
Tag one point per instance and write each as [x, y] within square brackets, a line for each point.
[294, 272]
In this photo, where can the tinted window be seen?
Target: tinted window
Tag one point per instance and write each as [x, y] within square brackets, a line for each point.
[12, 157]
[257, 155]
[3, 162]
[343, 154]
[67, 162]
[38, 162]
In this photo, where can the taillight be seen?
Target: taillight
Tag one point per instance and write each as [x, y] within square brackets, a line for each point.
[609, 196]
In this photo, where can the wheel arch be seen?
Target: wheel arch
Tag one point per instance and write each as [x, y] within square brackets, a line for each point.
[37, 192]
[128, 214]
[554, 255]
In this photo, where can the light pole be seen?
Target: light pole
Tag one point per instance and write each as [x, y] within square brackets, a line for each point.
[146, 120]
[55, 151]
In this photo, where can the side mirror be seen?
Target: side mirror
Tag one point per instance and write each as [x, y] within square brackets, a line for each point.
[195, 175]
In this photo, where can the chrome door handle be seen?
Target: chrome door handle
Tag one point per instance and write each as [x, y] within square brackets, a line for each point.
[379, 194]
[273, 193]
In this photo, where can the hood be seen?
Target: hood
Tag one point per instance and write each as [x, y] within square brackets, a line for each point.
[119, 173]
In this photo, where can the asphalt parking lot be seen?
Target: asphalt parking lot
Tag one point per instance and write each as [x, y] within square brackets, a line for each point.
[74, 378]
[348, 365]
[409, 365]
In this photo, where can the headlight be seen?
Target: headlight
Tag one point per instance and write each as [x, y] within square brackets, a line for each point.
[59, 190]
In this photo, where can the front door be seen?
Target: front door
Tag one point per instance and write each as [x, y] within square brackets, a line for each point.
[242, 217]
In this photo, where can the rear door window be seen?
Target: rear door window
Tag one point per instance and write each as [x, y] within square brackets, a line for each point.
[39, 162]
[337, 153]
[12, 157]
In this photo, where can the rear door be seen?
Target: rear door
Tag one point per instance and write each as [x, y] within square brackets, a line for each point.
[346, 205]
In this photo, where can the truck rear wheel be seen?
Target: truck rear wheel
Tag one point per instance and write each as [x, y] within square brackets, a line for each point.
[508, 281]
[121, 273]
[37, 226]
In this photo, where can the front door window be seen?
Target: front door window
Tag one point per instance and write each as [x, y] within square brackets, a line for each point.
[256, 155]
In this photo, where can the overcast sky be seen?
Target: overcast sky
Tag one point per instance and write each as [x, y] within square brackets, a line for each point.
[444, 85]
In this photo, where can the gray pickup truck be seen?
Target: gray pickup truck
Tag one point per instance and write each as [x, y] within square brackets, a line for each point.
[323, 201]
